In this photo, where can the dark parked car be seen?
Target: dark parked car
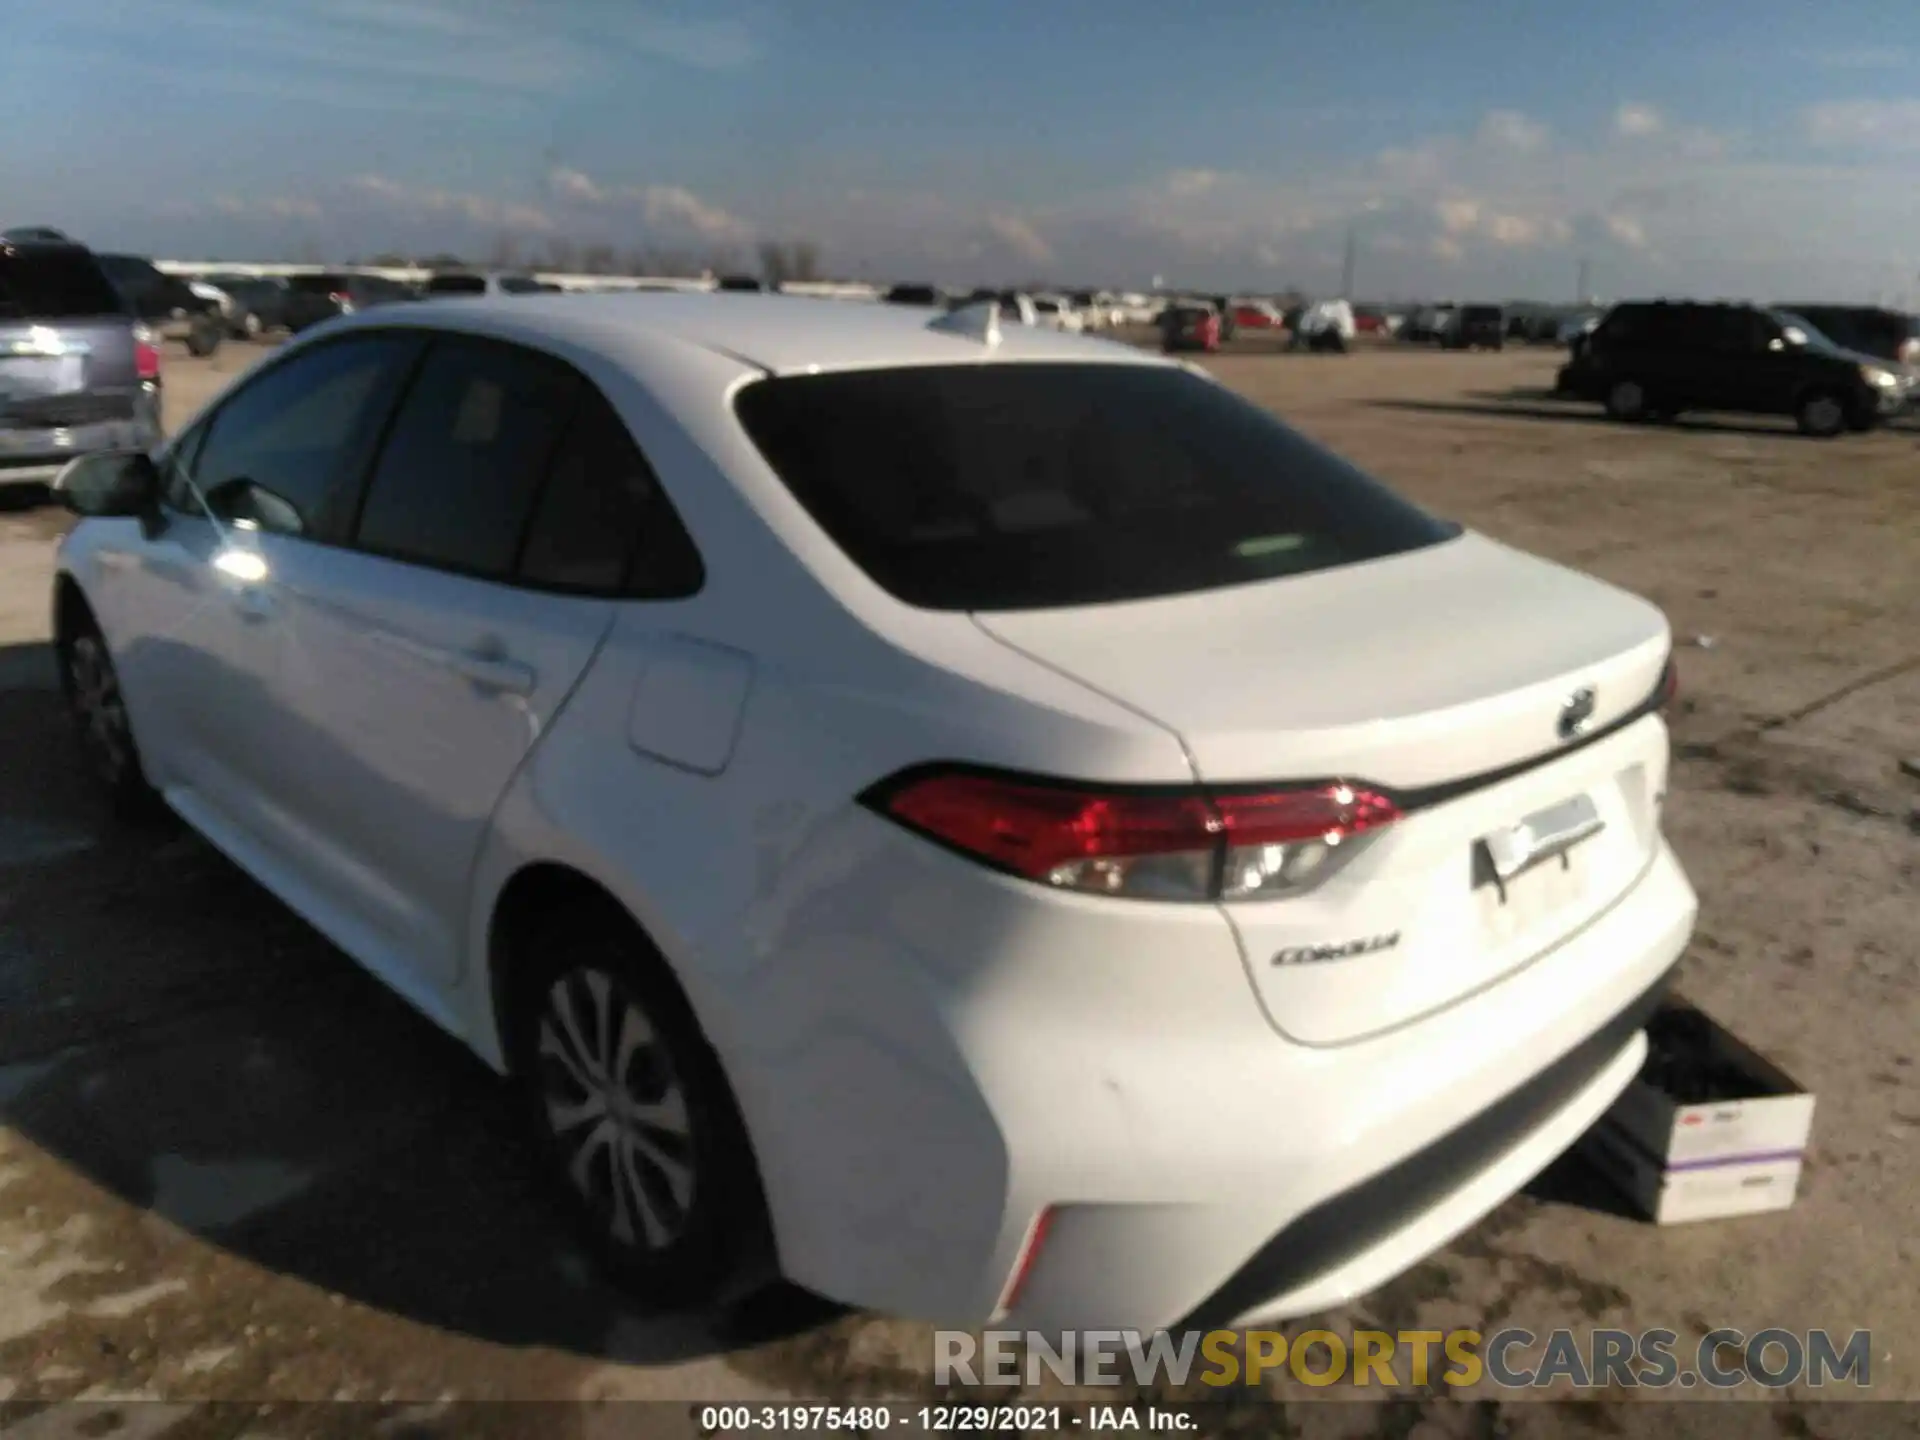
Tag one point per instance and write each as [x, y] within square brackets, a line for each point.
[312, 299]
[259, 304]
[166, 303]
[930, 295]
[743, 284]
[1189, 326]
[77, 374]
[1475, 327]
[474, 282]
[1652, 360]
[1888, 334]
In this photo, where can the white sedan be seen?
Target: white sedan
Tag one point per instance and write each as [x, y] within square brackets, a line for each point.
[988, 819]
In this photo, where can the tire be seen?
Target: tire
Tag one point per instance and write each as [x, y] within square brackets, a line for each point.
[203, 340]
[104, 729]
[1627, 400]
[652, 1165]
[1821, 414]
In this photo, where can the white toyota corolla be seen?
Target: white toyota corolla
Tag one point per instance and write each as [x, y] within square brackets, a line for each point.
[994, 816]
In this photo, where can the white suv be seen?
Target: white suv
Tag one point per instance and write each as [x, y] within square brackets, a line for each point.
[993, 814]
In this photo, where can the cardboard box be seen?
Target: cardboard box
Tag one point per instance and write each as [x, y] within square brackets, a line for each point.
[1722, 1157]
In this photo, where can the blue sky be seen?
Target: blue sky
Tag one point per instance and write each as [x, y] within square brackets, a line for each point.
[1479, 149]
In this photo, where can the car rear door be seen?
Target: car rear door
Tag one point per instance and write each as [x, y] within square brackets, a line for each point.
[425, 661]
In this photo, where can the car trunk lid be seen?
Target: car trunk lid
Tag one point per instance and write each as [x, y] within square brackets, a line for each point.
[1491, 695]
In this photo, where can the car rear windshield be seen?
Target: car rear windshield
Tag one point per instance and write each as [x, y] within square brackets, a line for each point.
[457, 285]
[316, 284]
[54, 284]
[1481, 312]
[1029, 486]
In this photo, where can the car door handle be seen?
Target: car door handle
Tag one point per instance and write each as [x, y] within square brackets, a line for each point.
[492, 672]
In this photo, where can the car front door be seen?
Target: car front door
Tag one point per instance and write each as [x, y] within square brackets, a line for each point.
[430, 657]
[260, 477]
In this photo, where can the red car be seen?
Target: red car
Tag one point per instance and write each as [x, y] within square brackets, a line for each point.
[1256, 317]
[1190, 327]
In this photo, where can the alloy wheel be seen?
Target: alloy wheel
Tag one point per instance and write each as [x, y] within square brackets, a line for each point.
[99, 707]
[616, 1110]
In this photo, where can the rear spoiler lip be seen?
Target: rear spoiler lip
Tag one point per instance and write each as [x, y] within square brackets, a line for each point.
[1406, 800]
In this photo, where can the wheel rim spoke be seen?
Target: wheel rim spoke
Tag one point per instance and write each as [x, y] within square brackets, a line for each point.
[614, 1106]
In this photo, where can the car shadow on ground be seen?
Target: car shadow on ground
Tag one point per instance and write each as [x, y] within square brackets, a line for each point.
[174, 1034]
[1545, 406]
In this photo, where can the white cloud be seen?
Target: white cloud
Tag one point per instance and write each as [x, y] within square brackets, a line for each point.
[666, 204]
[1021, 238]
[1635, 120]
[1515, 131]
[1627, 230]
[480, 210]
[1866, 124]
[1458, 217]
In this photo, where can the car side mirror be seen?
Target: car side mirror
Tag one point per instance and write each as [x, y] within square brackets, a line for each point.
[111, 483]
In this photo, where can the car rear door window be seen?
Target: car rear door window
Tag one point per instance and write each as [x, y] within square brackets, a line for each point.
[1001, 487]
[456, 481]
[284, 452]
[55, 283]
[602, 524]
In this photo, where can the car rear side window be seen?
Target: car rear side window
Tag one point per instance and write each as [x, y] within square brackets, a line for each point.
[284, 451]
[457, 477]
[602, 524]
[1022, 486]
[54, 284]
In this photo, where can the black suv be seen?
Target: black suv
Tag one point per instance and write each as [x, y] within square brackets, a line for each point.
[166, 303]
[314, 298]
[1651, 360]
[1476, 327]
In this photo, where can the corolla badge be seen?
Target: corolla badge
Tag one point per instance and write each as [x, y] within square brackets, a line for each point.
[1343, 950]
[1577, 713]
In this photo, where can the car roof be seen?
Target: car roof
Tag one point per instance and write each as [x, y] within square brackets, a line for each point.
[781, 334]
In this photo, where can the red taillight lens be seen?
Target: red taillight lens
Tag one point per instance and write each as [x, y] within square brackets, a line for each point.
[340, 297]
[1147, 844]
[146, 360]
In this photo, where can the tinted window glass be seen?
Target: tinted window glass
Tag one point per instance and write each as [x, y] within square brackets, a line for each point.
[1023, 486]
[457, 285]
[457, 477]
[521, 285]
[54, 284]
[316, 284]
[602, 523]
[284, 452]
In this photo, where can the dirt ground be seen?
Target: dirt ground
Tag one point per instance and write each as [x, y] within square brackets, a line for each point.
[233, 1169]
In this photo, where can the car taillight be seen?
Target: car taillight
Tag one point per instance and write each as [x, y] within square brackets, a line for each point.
[146, 359]
[1669, 689]
[1154, 844]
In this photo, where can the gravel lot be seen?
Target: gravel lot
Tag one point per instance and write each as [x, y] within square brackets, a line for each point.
[232, 1168]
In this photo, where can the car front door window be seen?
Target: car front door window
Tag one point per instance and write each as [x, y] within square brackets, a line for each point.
[283, 454]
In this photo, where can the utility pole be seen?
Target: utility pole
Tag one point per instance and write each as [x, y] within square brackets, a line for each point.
[1581, 293]
[1346, 267]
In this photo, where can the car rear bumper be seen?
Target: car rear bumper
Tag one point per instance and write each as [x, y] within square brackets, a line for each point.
[34, 456]
[1104, 1063]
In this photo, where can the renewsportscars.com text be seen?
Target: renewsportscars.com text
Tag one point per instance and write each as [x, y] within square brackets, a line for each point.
[1512, 1358]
